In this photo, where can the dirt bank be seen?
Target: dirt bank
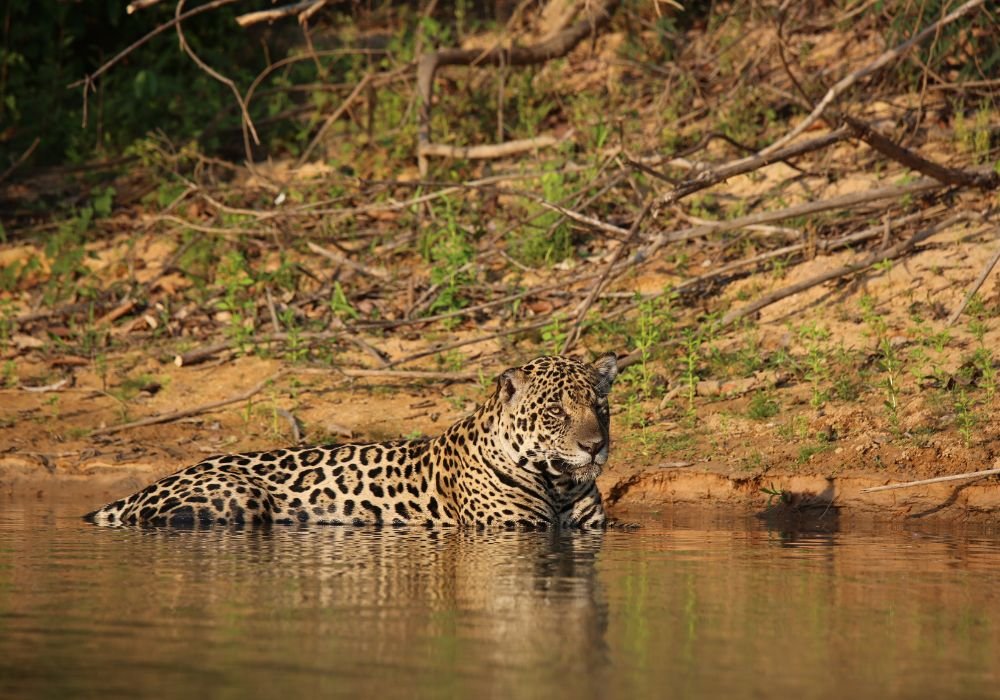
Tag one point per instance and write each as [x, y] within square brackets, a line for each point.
[722, 458]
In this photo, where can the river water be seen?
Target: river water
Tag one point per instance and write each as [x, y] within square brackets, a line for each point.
[700, 605]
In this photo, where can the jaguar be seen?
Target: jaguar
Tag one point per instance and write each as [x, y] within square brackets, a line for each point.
[527, 457]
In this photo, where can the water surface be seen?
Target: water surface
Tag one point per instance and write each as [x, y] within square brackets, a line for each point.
[701, 606]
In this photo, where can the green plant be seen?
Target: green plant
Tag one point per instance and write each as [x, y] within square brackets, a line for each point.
[889, 361]
[965, 417]
[8, 323]
[982, 357]
[816, 361]
[296, 349]
[795, 429]
[763, 405]
[448, 249]
[691, 342]
[750, 355]
[10, 380]
[554, 333]
[339, 304]
[453, 361]
[973, 135]
[807, 451]
[654, 322]
[753, 462]
[547, 238]
[237, 300]
[774, 492]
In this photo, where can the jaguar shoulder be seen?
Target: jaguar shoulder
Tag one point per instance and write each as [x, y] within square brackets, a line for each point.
[528, 457]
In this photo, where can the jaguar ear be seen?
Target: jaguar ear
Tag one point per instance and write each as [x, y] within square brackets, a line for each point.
[607, 370]
[509, 382]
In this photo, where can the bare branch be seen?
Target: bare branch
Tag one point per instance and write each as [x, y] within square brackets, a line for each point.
[277, 13]
[484, 151]
[975, 287]
[879, 63]
[137, 5]
[558, 45]
[205, 408]
[106, 66]
[949, 176]
[935, 480]
[212, 72]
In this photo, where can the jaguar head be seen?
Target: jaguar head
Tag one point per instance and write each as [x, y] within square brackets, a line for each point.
[554, 413]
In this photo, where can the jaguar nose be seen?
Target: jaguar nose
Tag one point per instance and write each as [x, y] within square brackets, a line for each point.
[592, 447]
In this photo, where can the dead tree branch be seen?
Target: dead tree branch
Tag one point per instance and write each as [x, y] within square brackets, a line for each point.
[491, 150]
[949, 176]
[23, 157]
[186, 48]
[765, 217]
[205, 408]
[707, 178]
[277, 13]
[107, 65]
[878, 64]
[554, 47]
[633, 234]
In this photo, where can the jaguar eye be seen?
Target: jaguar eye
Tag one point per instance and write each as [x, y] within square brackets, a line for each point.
[556, 411]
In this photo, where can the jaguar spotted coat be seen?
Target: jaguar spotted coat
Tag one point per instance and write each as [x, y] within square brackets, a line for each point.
[528, 457]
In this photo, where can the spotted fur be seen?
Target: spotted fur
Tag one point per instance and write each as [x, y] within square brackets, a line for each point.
[528, 457]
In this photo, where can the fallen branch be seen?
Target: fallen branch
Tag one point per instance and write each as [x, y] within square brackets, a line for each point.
[975, 287]
[193, 357]
[913, 161]
[469, 341]
[124, 308]
[486, 151]
[205, 408]
[808, 208]
[341, 260]
[633, 234]
[411, 374]
[707, 178]
[935, 480]
[556, 46]
[577, 216]
[23, 157]
[872, 259]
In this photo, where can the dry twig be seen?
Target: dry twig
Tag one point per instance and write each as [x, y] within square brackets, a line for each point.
[935, 480]
[975, 287]
[341, 260]
[845, 83]
[204, 408]
[23, 157]
[277, 13]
